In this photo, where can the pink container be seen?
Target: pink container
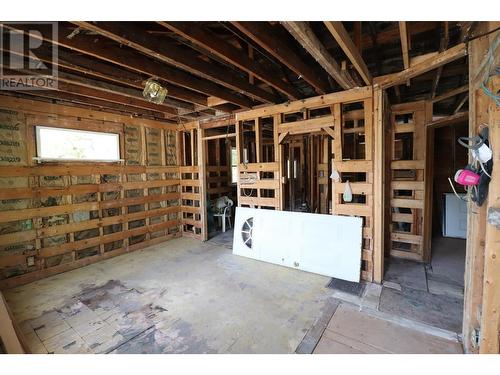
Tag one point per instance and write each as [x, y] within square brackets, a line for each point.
[466, 177]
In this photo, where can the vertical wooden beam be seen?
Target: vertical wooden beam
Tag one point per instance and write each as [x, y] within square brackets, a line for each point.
[403, 32]
[278, 152]
[258, 141]
[378, 187]
[490, 319]
[428, 178]
[203, 181]
[337, 121]
[476, 216]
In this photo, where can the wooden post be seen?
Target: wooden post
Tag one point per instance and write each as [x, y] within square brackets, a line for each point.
[490, 319]
[201, 177]
[378, 187]
[476, 217]
[428, 189]
[278, 151]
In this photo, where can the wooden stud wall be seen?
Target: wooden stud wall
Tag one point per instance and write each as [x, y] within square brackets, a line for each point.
[345, 117]
[408, 181]
[192, 181]
[59, 216]
[218, 170]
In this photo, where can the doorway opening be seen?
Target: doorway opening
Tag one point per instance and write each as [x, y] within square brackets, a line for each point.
[424, 278]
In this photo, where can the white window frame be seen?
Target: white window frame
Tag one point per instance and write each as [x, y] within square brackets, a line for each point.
[40, 159]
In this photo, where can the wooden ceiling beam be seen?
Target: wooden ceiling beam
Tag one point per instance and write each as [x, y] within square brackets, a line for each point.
[225, 51]
[129, 34]
[431, 63]
[303, 33]
[454, 119]
[262, 33]
[439, 71]
[103, 91]
[345, 42]
[451, 93]
[461, 102]
[404, 44]
[66, 97]
[92, 46]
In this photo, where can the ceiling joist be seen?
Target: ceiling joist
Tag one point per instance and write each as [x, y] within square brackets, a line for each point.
[345, 42]
[303, 33]
[215, 45]
[263, 34]
[92, 46]
[132, 36]
[431, 63]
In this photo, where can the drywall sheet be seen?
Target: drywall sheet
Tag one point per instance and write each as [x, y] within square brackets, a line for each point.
[329, 245]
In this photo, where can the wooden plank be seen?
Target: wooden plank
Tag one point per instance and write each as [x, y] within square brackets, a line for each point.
[37, 107]
[404, 44]
[353, 209]
[202, 163]
[354, 166]
[282, 137]
[266, 37]
[306, 126]
[356, 187]
[407, 238]
[259, 167]
[451, 54]
[407, 164]
[329, 131]
[221, 136]
[405, 255]
[407, 203]
[451, 93]
[303, 33]
[402, 218]
[407, 185]
[490, 318]
[345, 42]
[378, 187]
[353, 95]
[456, 118]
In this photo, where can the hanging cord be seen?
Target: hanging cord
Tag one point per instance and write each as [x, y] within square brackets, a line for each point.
[477, 142]
[468, 193]
[489, 61]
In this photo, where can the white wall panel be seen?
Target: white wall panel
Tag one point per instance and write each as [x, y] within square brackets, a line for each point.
[329, 245]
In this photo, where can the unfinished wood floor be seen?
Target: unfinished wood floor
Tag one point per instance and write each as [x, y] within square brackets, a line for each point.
[355, 331]
[181, 296]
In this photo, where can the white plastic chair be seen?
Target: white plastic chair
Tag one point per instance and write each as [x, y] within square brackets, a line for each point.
[223, 206]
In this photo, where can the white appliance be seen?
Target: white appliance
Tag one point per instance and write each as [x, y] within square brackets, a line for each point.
[454, 216]
[325, 244]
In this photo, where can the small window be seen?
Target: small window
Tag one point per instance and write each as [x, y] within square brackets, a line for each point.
[234, 165]
[76, 145]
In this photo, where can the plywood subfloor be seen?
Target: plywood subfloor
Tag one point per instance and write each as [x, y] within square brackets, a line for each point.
[355, 331]
[182, 296]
